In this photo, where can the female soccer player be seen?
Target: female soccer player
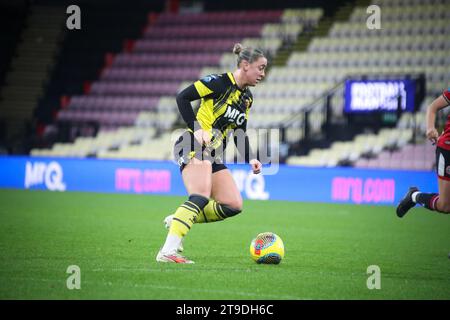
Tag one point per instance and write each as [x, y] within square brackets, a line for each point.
[436, 202]
[225, 104]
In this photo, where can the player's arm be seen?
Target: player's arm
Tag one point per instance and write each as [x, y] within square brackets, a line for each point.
[245, 150]
[184, 99]
[248, 153]
[438, 104]
[208, 86]
[252, 158]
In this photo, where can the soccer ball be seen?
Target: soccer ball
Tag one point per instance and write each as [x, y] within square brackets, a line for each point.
[267, 248]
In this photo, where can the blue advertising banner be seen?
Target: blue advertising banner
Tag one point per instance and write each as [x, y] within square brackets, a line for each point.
[341, 185]
[379, 95]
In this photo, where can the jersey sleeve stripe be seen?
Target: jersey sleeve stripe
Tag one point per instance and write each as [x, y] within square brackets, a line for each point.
[230, 75]
[202, 89]
[446, 96]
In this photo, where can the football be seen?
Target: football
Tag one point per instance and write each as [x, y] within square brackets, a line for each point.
[267, 248]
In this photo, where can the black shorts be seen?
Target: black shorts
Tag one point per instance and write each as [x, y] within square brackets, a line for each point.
[187, 147]
[443, 163]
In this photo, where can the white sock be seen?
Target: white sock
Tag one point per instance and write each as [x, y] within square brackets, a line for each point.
[414, 195]
[171, 244]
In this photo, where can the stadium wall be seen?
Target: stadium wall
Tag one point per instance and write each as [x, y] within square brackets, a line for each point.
[339, 185]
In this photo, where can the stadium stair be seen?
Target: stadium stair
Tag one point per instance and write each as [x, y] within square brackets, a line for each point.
[323, 26]
[84, 54]
[29, 68]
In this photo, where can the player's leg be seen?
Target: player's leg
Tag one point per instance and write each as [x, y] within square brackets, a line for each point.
[226, 199]
[407, 202]
[432, 201]
[435, 201]
[197, 180]
[438, 201]
[443, 202]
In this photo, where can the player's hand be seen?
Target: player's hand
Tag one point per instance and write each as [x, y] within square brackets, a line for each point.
[256, 166]
[203, 137]
[432, 135]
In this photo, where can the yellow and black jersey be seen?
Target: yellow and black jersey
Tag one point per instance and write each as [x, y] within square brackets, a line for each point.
[223, 107]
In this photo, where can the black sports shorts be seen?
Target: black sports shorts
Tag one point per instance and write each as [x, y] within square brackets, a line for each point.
[187, 147]
[443, 163]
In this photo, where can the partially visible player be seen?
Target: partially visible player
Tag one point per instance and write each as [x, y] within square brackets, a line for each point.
[434, 201]
[225, 104]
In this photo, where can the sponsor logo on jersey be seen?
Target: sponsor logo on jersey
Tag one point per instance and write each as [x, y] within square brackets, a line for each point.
[234, 115]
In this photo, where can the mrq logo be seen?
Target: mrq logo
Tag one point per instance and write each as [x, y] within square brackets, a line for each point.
[359, 190]
[48, 174]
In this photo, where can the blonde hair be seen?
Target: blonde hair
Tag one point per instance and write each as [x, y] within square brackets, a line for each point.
[246, 53]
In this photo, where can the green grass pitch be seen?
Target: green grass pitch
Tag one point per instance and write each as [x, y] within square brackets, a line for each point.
[114, 239]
